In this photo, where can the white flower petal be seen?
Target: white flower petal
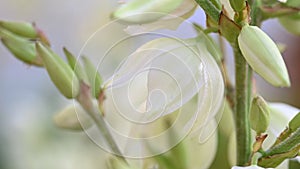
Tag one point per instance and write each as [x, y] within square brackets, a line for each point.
[249, 167]
[281, 114]
[164, 77]
[144, 11]
[170, 21]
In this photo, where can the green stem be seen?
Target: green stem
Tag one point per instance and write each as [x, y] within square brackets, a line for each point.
[210, 9]
[241, 109]
[86, 102]
[249, 86]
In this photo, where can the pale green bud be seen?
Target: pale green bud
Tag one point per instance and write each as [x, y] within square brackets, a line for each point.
[21, 48]
[263, 56]
[24, 29]
[145, 11]
[93, 76]
[76, 66]
[73, 117]
[291, 23]
[60, 72]
[171, 21]
[259, 115]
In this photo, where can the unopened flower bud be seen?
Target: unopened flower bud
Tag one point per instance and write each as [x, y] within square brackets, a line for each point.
[73, 117]
[60, 72]
[259, 115]
[24, 29]
[145, 11]
[94, 77]
[263, 56]
[76, 66]
[21, 48]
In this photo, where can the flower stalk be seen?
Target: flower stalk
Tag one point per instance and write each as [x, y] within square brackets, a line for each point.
[241, 109]
[85, 100]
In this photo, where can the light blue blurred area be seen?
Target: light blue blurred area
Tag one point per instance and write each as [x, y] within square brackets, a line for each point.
[291, 57]
[28, 100]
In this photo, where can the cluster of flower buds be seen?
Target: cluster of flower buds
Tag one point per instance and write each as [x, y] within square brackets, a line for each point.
[19, 37]
[28, 44]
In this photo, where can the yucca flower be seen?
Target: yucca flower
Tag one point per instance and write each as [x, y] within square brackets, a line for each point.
[163, 77]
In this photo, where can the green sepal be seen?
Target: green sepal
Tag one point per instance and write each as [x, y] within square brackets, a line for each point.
[286, 145]
[275, 160]
[229, 29]
[294, 124]
[21, 48]
[287, 148]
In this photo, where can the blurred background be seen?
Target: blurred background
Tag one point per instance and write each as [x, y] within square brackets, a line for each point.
[28, 100]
